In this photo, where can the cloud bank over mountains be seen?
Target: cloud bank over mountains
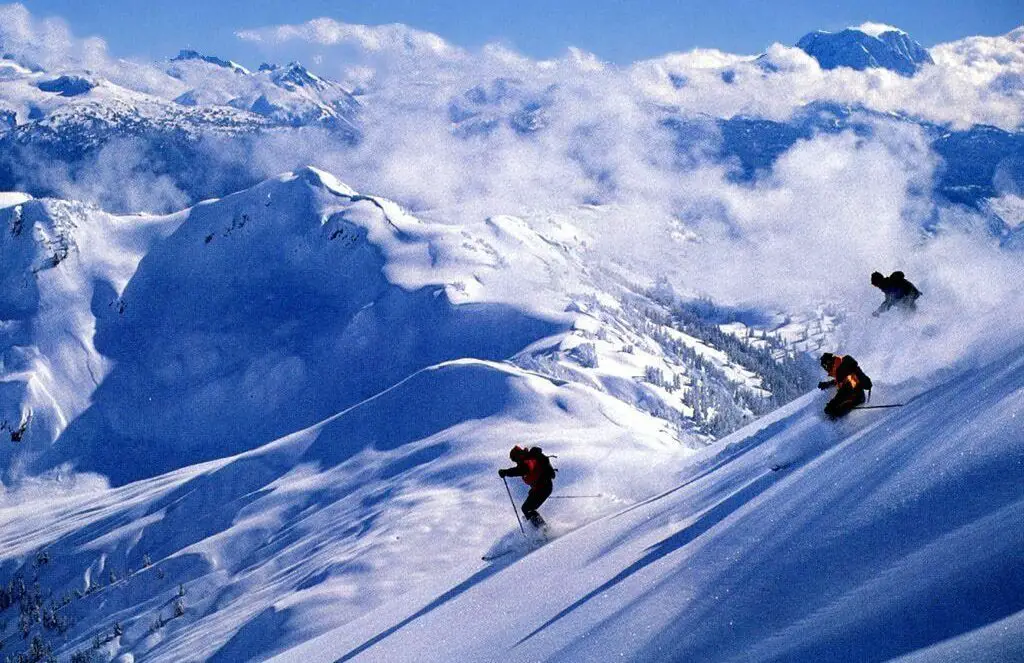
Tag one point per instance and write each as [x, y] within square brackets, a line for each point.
[972, 82]
[458, 135]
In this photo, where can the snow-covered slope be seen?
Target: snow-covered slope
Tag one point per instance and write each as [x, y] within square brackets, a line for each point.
[893, 534]
[278, 544]
[298, 394]
[264, 312]
[300, 353]
[63, 265]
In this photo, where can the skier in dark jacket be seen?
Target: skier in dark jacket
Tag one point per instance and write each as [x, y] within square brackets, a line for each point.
[850, 383]
[898, 292]
[537, 473]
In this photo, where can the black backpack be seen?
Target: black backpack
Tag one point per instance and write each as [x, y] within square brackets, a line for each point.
[862, 377]
[548, 470]
[864, 382]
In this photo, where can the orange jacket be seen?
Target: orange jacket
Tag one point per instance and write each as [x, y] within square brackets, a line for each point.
[844, 376]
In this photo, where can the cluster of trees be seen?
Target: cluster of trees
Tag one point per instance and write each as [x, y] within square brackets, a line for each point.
[41, 615]
[36, 607]
[720, 404]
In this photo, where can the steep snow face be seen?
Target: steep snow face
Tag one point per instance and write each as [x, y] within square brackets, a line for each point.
[892, 533]
[866, 47]
[269, 310]
[64, 265]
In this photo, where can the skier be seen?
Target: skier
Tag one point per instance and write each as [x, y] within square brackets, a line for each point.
[850, 383]
[537, 473]
[898, 292]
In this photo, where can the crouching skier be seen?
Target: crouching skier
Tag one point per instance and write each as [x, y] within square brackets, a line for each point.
[850, 383]
[535, 468]
[899, 292]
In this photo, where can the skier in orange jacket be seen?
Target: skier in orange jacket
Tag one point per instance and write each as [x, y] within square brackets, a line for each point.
[850, 383]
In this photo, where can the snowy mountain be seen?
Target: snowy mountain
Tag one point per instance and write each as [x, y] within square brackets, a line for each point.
[289, 96]
[318, 337]
[250, 411]
[177, 130]
[358, 535]
[323, 277]
[866, 47]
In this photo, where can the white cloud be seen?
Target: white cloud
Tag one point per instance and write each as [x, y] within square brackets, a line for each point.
[46, 43]
[356, 49]
[396, 38]
[50, 45]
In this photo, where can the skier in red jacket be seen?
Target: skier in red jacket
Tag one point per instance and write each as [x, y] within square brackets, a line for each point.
[537, 473]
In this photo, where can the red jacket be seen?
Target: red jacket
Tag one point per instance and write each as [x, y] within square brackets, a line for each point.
[531, 468]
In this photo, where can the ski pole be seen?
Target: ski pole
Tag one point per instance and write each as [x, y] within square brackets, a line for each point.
[877, 407]
[514, 509]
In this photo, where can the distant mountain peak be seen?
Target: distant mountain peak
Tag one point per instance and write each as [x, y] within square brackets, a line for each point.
[868, 46]
[293, 75]
[188, 54]
[68, 85]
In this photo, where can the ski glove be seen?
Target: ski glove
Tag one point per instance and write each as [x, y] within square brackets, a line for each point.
[501, 473]
[825, 385]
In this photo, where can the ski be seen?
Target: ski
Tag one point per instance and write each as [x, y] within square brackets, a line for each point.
[488, 558]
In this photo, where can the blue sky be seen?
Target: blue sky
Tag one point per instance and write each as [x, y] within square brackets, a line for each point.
[616, 30]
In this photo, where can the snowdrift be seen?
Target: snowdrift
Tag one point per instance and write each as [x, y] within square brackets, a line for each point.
[893, 533]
